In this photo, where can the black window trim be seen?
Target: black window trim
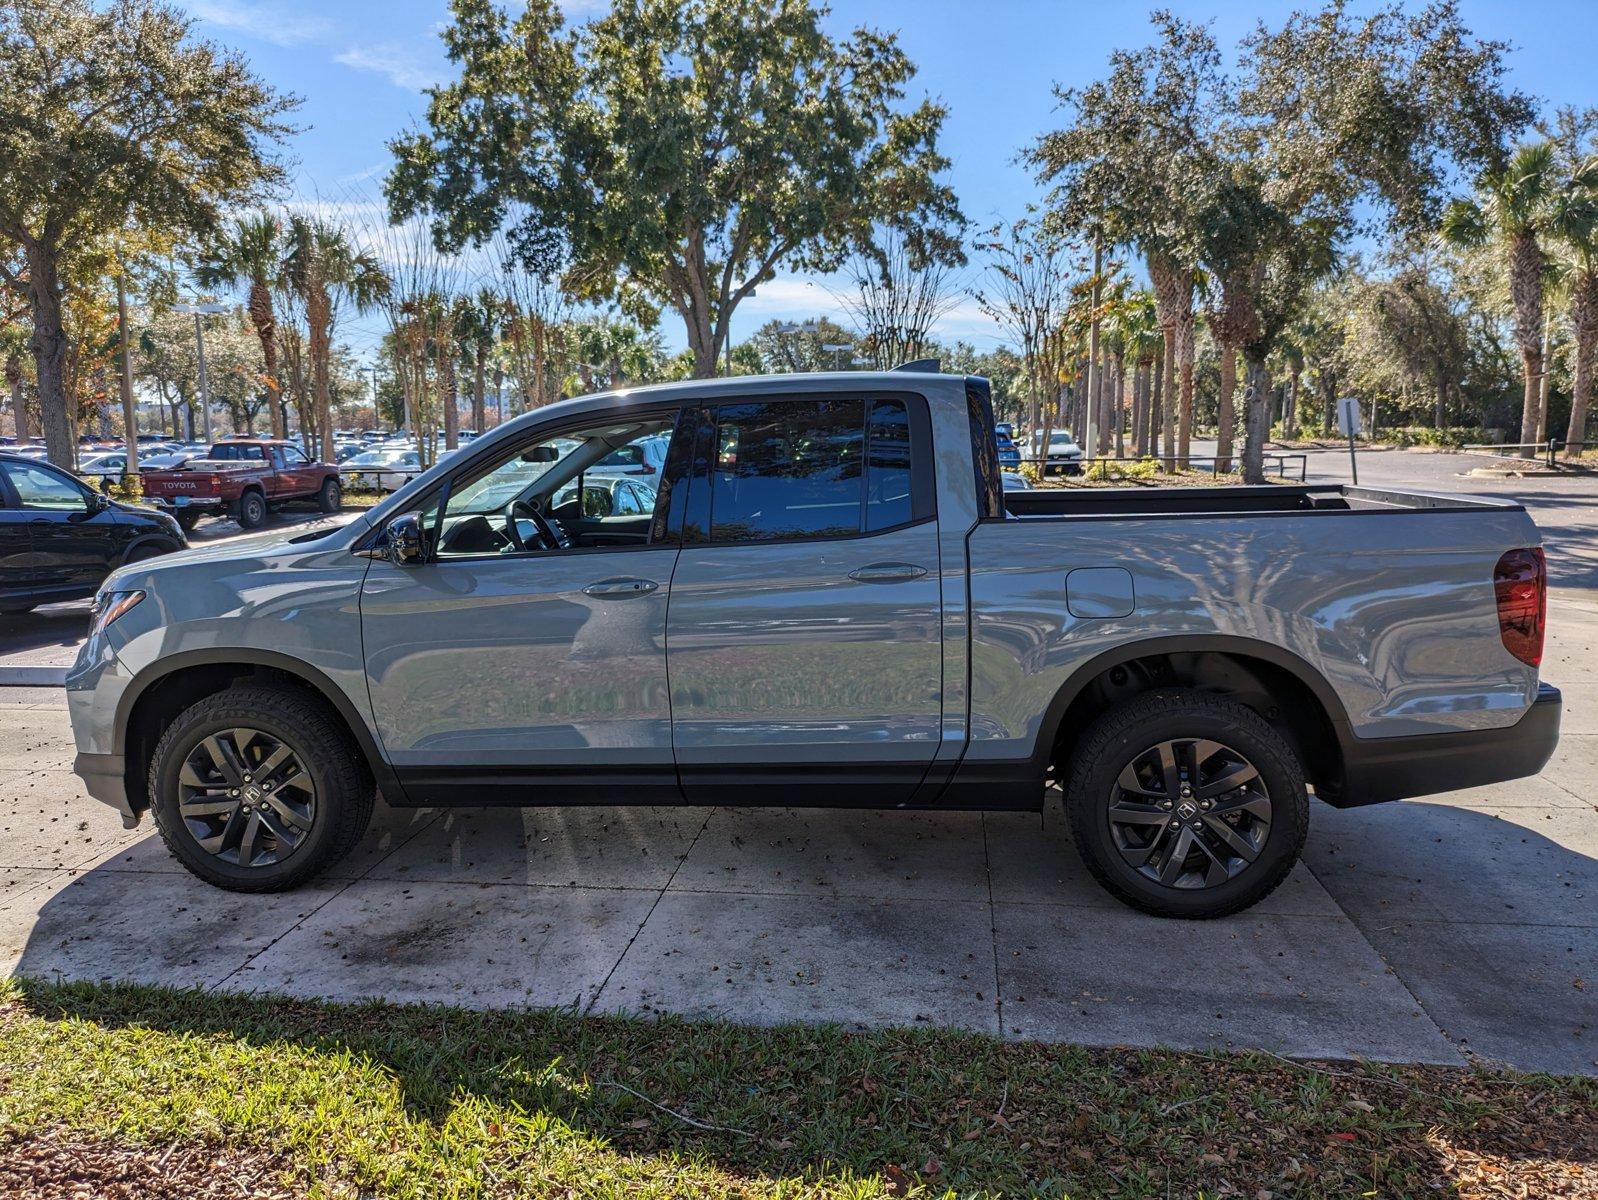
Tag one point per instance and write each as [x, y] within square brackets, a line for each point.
[13, 498]
[923, 465]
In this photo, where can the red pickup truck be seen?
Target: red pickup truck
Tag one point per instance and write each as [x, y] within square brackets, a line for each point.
[244, 478]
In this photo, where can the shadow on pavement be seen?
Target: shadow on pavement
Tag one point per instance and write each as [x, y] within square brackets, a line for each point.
[1489, 924]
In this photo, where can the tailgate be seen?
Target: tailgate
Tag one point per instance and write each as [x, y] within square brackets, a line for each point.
[170, 484]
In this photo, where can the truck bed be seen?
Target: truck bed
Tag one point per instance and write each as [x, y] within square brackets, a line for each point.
[1101, 503]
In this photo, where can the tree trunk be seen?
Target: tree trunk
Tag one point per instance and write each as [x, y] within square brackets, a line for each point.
[1169, 402]
[49, 345]
[1156, 409]
[1328, 400]
[1226, 411]
[1185, 355]
[479, 382]
[449, 392]
[1525, 288]
[130, 413]
[1256, 419]
[319, 316]
[1290, 413]
[1440, 404]
[1541, 433]
[265, 322]
[19, 402]
[1584, 324]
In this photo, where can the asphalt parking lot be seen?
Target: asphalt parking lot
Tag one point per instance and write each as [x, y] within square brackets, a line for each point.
[1436, 930]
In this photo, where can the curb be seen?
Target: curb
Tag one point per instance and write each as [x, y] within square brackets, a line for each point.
[33, 676]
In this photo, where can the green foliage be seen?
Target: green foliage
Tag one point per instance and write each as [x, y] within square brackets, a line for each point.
[679, 151]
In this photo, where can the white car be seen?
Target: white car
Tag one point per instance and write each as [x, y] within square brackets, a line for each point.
[1014, 482]
[104, 469]
[1064, 454]
[382, 470]
[643, 460]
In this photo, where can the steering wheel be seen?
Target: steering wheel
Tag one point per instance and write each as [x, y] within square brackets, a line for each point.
[547, 536]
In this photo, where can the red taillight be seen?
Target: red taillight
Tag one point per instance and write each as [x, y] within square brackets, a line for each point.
[1520, 583]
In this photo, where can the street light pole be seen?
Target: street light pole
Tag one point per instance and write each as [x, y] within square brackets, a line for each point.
[200, 310]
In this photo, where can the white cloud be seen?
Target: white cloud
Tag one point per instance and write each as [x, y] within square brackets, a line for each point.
[401, 65]
[264, 20]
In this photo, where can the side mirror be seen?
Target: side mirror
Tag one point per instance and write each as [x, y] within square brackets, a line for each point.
[407, 541]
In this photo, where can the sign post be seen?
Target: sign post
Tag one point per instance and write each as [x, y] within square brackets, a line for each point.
[1348, 423]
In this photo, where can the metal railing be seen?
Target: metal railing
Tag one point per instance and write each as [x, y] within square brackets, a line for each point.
[1279, 463]
[1544, 450]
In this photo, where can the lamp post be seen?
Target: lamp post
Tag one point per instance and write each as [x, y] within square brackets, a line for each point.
[199, 310]
[836, 349]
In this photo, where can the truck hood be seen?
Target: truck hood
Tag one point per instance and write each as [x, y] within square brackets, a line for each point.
[251, 548]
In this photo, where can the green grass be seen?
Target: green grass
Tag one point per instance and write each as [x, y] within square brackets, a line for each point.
[433, 1102]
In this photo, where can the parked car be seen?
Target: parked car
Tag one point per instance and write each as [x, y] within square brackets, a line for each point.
[1009, 450]
[244, 478]
[1064, 456]
[833, 602]
[1014, 482]
[59, 538]
[104, 470]
[381, 470]
[644, 459]
[610, 497]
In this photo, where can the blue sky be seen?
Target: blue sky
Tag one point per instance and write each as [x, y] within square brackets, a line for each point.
[361, 65]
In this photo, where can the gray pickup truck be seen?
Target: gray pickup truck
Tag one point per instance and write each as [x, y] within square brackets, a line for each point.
[832, 603]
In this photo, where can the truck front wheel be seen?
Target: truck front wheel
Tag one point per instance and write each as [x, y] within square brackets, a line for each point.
[1186, 804]
[252, 510]
[331, 498]
[257, 789]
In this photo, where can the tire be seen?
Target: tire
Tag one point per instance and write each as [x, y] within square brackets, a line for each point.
[252, 510]
[1267, 815]
[187, 519]
[331, 498]
[341, 794]
[147, 550]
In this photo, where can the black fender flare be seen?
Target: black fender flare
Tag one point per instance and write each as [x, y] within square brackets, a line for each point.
[1200, 643]
[149, 539]
[387, 781]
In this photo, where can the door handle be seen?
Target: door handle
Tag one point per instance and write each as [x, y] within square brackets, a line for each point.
[887, 572]
[615, 588]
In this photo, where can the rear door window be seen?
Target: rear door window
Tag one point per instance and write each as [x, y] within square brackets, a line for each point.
[822, 468]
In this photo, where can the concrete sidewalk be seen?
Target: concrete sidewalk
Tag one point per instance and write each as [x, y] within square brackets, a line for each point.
[1439, 930]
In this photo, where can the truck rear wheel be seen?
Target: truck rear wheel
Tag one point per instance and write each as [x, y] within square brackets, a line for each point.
[257, 789]
[252, 510]
[1186, 804]
[331, 498]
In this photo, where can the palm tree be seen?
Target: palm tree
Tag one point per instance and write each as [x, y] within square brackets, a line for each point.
[327, 273]
[1514, 207]
[1136, 326]
[251, 255]
[1575, 224]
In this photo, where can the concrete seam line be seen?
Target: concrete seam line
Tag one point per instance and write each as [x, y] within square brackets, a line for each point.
[993, 929]
[1382, 958]
[605, 982]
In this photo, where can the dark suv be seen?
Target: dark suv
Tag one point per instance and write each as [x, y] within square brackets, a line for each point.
[59, 537]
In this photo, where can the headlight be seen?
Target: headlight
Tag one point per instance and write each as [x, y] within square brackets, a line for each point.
[108, 606]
